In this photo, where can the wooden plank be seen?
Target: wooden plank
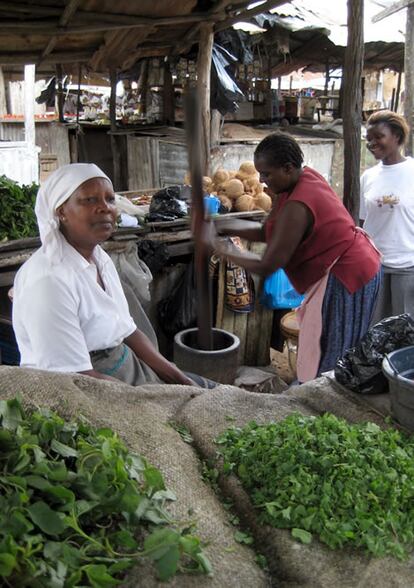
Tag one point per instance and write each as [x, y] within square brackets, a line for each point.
[352, 106]
[143, 162]
[240, 330]
[220, 295]
[253, 329]
[13, 259]
[20, 244]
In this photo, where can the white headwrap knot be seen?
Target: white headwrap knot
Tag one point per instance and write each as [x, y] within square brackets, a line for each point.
[58, 187]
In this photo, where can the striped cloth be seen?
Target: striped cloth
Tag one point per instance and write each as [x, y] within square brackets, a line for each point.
[345, 318]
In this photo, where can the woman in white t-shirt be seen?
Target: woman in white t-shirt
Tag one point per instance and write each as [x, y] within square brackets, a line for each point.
[387, 211]
[70, 313]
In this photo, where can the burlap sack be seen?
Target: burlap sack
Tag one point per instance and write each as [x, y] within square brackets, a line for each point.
[140, 416]
[291, 563]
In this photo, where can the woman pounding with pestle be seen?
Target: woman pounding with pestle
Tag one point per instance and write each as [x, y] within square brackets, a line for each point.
[311, 235]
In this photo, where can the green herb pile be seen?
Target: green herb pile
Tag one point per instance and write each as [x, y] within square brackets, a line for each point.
[77, 509]
[346, 484]
[17, 218]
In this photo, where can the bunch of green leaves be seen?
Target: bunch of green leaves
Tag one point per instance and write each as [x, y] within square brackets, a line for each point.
[17, 218]
[346, 484]
[77, 508]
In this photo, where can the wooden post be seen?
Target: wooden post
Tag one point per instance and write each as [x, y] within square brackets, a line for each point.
[3, 103]
[352, 105]
[215, 128]
[205, 49]
[29, 121]
[116, 156]
[78, 98]
[60, 97]
[168, 95]
[409, 77]
[397, 92]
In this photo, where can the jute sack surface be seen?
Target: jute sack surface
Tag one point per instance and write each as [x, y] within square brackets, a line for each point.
[140, 416]
[291, 564]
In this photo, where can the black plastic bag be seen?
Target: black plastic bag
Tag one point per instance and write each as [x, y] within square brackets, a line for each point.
[225, 93]
[168, 204]
[360, 369]
[154, 254]
[179, 310]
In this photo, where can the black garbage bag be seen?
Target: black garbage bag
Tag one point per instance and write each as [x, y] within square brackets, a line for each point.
[168, 204]
[360, 368]
[225, 93]
[179, 310]
[154, 253]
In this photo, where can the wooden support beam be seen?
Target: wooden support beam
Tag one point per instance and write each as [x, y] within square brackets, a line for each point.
[396, 7]
[3, 102]
[397, 92]
[116, 156]
[29, 102]
[52, 27]
[59, 94]
[168, 95]
[409, 77]
[352, 105]
[205, 48]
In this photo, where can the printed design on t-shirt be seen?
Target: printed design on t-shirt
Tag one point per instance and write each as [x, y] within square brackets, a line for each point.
[389, 199]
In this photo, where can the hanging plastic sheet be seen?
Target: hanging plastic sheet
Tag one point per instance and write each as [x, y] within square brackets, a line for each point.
[225, 93]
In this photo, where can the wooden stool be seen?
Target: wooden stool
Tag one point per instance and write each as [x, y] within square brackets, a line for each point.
[289, 327]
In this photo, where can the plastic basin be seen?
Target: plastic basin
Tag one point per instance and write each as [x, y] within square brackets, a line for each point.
[398, 368]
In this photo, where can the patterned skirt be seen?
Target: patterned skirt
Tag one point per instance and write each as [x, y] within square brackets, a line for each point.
[345, 318]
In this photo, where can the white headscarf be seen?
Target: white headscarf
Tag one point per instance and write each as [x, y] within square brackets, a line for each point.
[58, 187]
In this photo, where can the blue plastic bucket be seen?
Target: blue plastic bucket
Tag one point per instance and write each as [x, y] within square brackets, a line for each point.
[398, 367]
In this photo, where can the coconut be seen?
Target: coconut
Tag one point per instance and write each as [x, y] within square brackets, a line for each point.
[207, 184]
[244, 203]
[226, 202]
[234, 188]
[247, 170]
[263, 201]
[252, 185]
[220, 176]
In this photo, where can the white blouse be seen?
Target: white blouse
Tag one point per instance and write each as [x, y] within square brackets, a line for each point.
[61, 313]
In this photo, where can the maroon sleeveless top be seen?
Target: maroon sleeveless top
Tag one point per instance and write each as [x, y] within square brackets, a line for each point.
[334, 236]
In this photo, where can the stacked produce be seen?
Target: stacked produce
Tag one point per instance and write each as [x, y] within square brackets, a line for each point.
[239, 191]
[17, 219]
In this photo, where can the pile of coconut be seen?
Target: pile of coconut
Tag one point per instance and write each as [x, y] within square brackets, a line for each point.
[239, 191]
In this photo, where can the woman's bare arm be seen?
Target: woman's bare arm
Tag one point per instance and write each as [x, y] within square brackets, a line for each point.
[145, 350]
[290, 229]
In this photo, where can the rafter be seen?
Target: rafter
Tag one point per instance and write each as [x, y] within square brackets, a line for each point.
[396, 7]
[67, 14]
[22, 57]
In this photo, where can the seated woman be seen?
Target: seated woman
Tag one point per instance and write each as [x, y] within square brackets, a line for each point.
[310, 234]
[70, 313]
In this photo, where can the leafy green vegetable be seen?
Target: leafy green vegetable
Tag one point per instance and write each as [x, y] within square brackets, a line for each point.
[77, 509]
[17, 218]
[346, 484]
